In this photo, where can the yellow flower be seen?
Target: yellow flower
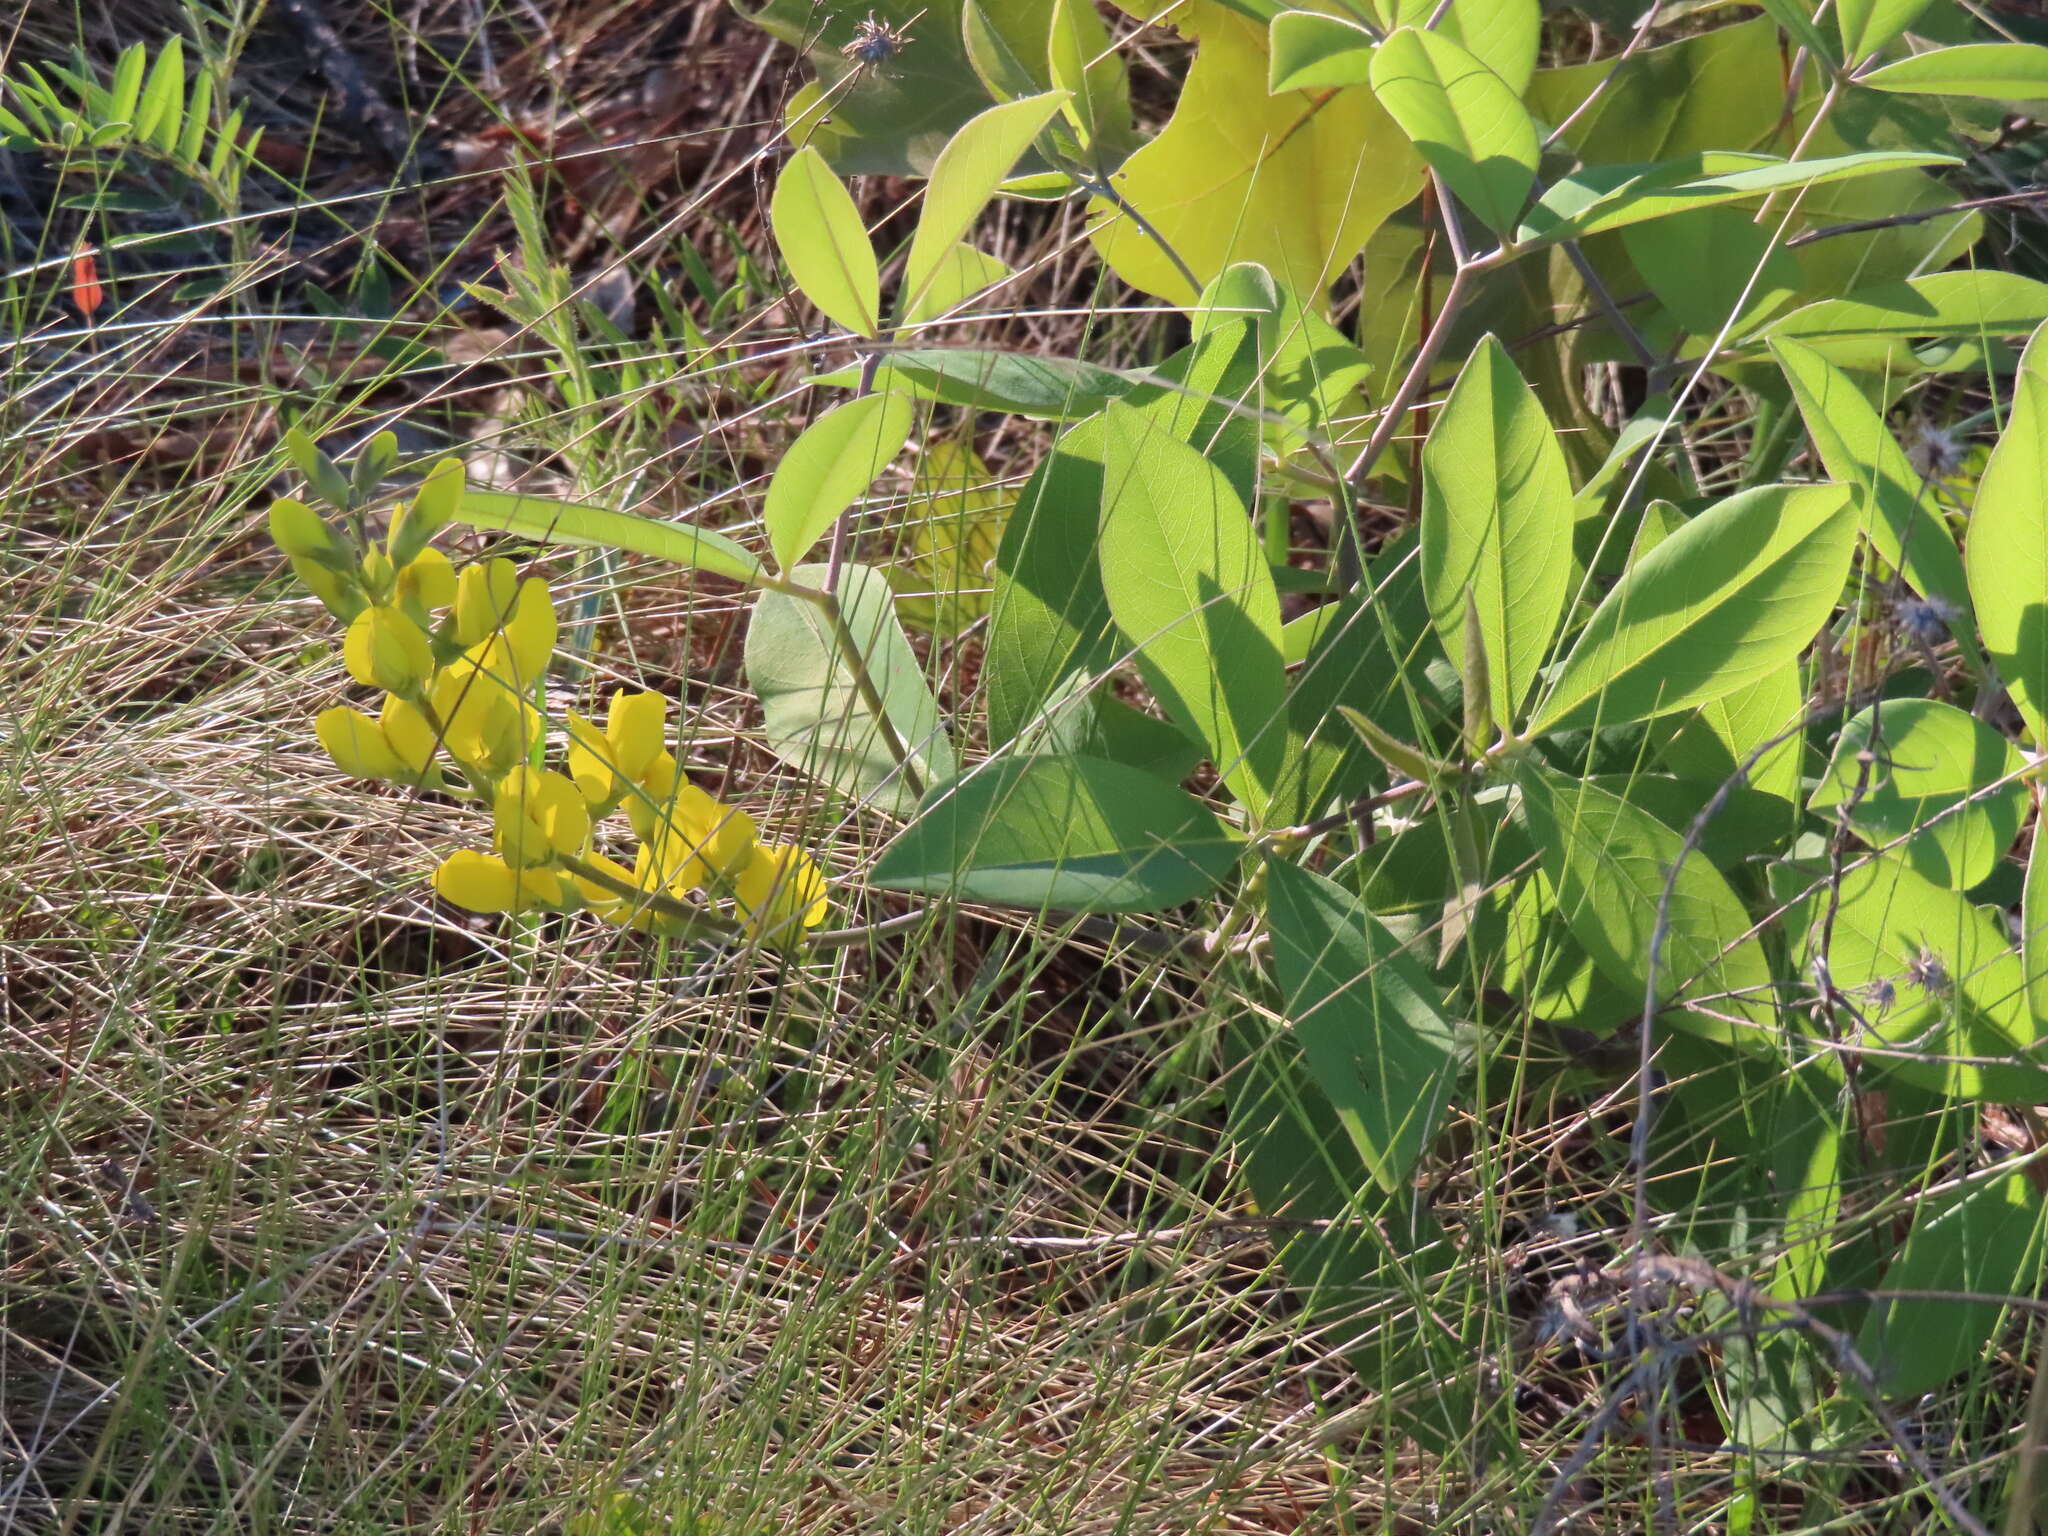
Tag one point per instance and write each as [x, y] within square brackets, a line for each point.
[781, 892]
[429, 580]
[484, 883]
[540, 816]
[411, 736]
[611, 764]
[690, 823]
[489, 726]
[494, 608]
[385, 649]
[484, 595]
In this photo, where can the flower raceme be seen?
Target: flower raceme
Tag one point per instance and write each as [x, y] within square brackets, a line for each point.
[461, 657]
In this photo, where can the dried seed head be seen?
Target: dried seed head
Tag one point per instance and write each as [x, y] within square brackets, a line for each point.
[1926, 971]
[1924, 620]
[1935, 451]
[874, 42]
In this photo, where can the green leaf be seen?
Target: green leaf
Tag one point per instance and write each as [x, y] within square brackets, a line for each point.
[812, 710]
[890, 119]
[1890, 496]
[580, 526]
[1371, 1024]
[1931, 763]
[1935, 980]
[198, 119]
[1717, 88]
[1735, 594]
[964, 177]
[1070, 834]
[1311, 49]
[321, 472]
[1045, 388]
[159, 115]
[962, 273]
[1309, 371]
[1869, 328]
[1608, 861]
[834, 460]
[1997, 71]
[1867, 25]
[1496, 524]
[1050, 618]
[2007, 554]
[1465, 119]
[1085, 720]
[1985, 1239]
[125, 93]
[824, 244]
[1723, 733]
[1070, 45]
[1708, 266]
[1241, 175]
[998, 64]
[1603, 197]
[1501, 34]
[1188, 585]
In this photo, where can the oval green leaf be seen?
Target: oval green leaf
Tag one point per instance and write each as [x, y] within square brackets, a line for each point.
[1072, 834]
[1929, 781]
[1868, 328]
[1608, 861]
[1733, 595]
[1939, 989]
[1891, 499]
[2007, 552]
[1984, 1240]
[1371, 1024]
[1867, 25]
[1997, 71]
[964, 177]
[824, 244]
[1466, 120]
[814, 715]
[1187, 583]
[1496, 524]
[835, 459]
[1311, 49]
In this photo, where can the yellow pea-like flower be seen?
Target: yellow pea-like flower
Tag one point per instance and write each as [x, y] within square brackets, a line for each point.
[781, 892]
[483, 882]
[385, 649]
[608, 765]
[690, 821]
[484, 596]
[540, 816]
[646, 808]
[489, 727]
[411, 736]
[357, 744]
[429, 580]
[531, 629]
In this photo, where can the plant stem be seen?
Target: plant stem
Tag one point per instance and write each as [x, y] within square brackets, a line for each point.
[1104, 188]
[708, 929]
[1403, 398]
[842, 525]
